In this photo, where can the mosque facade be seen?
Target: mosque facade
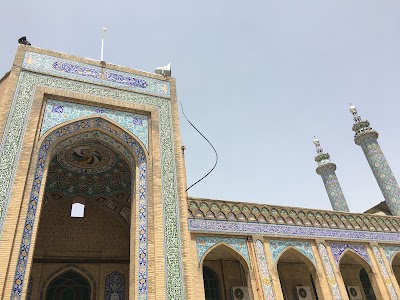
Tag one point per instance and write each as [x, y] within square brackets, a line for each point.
[93, 202]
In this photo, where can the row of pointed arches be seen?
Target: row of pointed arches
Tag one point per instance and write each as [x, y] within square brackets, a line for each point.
[225, 270]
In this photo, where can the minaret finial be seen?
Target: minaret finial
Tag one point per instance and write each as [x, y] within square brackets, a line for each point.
[317, 145]
[321, 157]
[356, 117]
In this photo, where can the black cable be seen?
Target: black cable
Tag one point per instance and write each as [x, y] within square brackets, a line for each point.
[216, 154]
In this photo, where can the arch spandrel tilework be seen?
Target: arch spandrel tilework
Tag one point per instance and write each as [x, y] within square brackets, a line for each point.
[58, 112]
[266, 280]
[390, 252]
[11, 144]
[279, 246]
[113, 137]
[204, 243]
[385, 273]
[338, 249]
[329, 272]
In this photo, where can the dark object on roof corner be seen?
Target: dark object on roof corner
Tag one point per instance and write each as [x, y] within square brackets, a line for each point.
[23, 41]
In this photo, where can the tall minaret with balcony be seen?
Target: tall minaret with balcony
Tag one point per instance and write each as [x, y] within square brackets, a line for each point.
[366, 137]
[326, 169]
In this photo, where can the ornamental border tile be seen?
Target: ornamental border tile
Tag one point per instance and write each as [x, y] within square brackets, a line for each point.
[51, 65]
[329, 272]
[242, 228]
[115, 137]
[279, 246]
[57, 112]
[12, 140]
[266, 279]
[385, 273]
[338, 249]
[204, 243]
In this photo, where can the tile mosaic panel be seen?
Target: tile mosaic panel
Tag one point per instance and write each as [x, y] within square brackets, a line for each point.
[58, 112]
[204, 243]
[382, 172]
[14, 132]
[390, 252]
[339, 249]
[79, 71]
[115, 286]
[279, 246]
[115, 137]
[333, 188]
[243, 228]
[329, 272]
[385, 273]
[266, 280]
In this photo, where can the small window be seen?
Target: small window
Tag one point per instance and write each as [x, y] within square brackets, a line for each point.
[77, 210]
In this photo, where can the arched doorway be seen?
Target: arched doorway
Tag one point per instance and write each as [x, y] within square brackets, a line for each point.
[396, 267]
[358, 277]
[68, 286]
[211, 284]
[298, 276]
[107, 198]
[225, 274]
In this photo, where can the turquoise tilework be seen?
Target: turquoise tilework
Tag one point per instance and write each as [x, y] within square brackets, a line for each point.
[279, 246]
[79, 71]
[58, 112]
[204, 243]
[390, 252]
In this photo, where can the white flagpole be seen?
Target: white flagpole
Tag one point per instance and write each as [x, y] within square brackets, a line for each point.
[102, 43]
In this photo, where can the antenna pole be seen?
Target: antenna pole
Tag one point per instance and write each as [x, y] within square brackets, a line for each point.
[102, 43]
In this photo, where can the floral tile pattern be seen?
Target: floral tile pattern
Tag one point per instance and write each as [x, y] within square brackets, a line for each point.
[279, 246]
[329, 272]
[79, 71]
[333, 187]
[264, 272]
[58, 112]
[204, 243]
[338, 249]
[385, 273]
[115, 286]
[243, 228]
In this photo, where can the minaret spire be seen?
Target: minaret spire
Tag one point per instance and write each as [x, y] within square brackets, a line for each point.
[366, 137]
[327, 171]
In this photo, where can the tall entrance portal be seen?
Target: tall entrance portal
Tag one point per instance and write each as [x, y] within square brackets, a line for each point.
[84, 222]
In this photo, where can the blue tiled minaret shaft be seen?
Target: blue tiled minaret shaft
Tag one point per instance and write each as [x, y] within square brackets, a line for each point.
[366, 137]
[327, 171]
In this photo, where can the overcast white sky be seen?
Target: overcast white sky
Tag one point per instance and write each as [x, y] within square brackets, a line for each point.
[258, 78]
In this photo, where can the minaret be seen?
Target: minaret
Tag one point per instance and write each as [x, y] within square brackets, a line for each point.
[366, 137]
[326, 169]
